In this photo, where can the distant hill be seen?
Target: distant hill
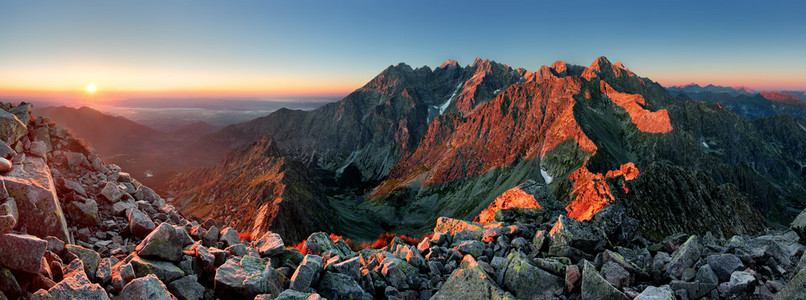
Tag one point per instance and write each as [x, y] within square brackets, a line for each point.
[150, 155]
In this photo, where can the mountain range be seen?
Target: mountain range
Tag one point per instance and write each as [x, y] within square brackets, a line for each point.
[414, 144]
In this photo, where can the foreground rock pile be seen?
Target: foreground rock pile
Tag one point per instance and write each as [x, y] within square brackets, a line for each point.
[72, 227]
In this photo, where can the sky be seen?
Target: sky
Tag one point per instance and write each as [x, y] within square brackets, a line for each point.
[326, 48]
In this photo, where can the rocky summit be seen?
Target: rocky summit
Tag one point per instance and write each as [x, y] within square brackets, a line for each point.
[581, 183]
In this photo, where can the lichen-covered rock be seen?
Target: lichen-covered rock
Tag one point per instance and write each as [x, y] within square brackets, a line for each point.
[795, 289]
[684, 257]
[90, 258]
[9, 285]
[40, 213]
[339, 286]
[165, 243]
[471, 283]
[472, 247]
[307, 273]
[246, 278]
[75, 285]
[528, 281]
[8, 213]
[594, 286]
[83, 211]
[320, 243]
[164, 270]
[22, 252]
[148, 287]
[11, 128]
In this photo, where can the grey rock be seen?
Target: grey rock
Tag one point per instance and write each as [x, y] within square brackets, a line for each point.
[75, 285]
[90, 258]
[229, 236]
[694, 290]
[246, 278]
[339, 286]
[140, 224]
[22, 252]
[211, 237]
[741, 282]
[6, 152]
[104, 272]
[111, 192]
[724, 265]
[5, 165]
[594, 286]
[795, 289]
[470, 283]
[166, 242]
[799, 225]
[574, 234]
[615, 275]
[122, 208]
[290, 294]
[38, 148]
[472, 247]
[11, 128]
[350, 267]
[706, 275]
[270, 244]
[684, 257]
[320, 243]
[148, 287]
[656, 293]
[83, 211]
[31, 185]
[186, 288]
[528, 281]
[164, 270]
[307, 273]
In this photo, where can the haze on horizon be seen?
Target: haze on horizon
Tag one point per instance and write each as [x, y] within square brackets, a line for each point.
[326, 48]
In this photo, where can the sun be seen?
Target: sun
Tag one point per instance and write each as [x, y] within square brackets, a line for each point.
[91, 88]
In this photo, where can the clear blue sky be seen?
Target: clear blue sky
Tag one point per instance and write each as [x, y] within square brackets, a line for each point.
[287, 47]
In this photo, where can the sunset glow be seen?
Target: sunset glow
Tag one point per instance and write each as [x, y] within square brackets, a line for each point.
[91, 88]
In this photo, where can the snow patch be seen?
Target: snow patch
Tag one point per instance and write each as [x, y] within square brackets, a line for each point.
[444, 106]
[149, 173]
[496, 92]
[350, 160]
[546, 176]
[704, 144]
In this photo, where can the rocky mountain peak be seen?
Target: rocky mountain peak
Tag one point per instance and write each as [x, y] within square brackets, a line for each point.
[602, 67]
[449, 63]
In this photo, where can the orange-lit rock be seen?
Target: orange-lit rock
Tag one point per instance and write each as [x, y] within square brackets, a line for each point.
[646, 121]
[514, 197]
[592, 191]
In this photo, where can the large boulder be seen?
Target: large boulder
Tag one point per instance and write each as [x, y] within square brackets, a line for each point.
[684, 257]
[140, 224]
[656, 293]
[526, 280]
[594, 286]
[11, 128]
[307, 273]
[229, 236]
[319, 243]
[83, 211]
[339, 287]
[148, 287]
[795, 289]
[186, 288]
[470, 283]
[22, 252]
[724, 264]
[571, 233]
[165, 243]
[164, 270]
[799, 225]
[111, 192]
[246, 278]
[40, 213]
[270, 244]
[90, 258]
[75, 285]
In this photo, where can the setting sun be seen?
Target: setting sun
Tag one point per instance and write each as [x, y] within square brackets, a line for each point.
[91, 88]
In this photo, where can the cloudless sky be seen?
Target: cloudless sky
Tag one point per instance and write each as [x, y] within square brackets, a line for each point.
[333, 47]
